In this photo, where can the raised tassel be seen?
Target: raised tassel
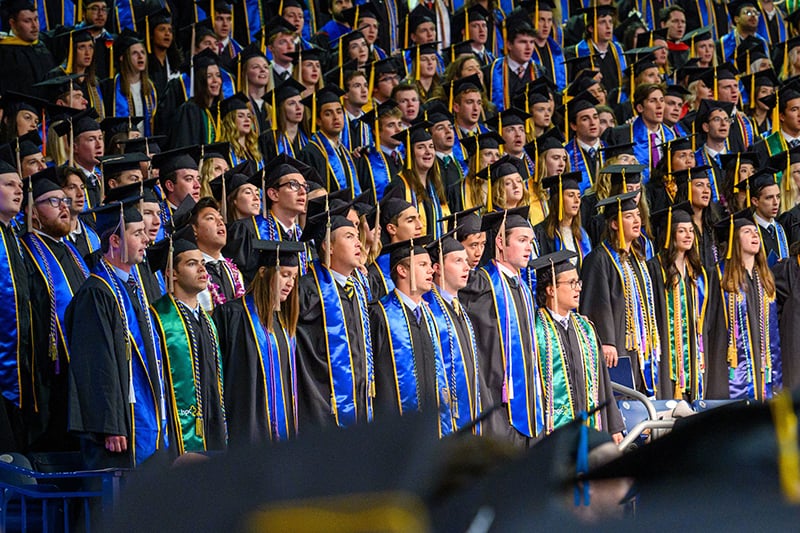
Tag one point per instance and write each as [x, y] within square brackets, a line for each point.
[489, 203]
[70, 64]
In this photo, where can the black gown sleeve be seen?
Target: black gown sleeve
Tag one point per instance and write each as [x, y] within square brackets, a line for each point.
[715, 341]
[599, 307]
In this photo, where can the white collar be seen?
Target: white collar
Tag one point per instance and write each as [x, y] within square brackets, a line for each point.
[406, 300]
[514, 66]
[208, 259]
[121, 274]
[585, 147]
[338, 277]
[507, 271]
[560, 319]
[764, 223]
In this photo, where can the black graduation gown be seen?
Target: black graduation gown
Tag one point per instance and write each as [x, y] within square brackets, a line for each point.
[24, 65]
[790, 220]
[47, 427]
[158, 74]
[593, 223]
[213, 414]
[769, 241]
[657, 196]
[451, 180]
[377, 282]
[312, 156]
[221, 274]
[81, 243]
[707, 248]
[386, 398]
[477, 299]
[313, 377]
[189, 126]
[244, 380]
[787, 285]
[365, 171]
[169, 100]
[98, 373]
[149, 281]
[610, 415]
[604, 305]
[269, 147]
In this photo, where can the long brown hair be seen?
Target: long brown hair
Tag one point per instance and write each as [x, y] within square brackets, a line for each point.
[433, 176]
[125, 71]
[668, 256]
[551, 222]
[266, 301]
[733, 279]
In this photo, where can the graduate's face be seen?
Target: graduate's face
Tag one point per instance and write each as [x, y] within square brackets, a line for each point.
[369, 27]
[728, 91]
[286, 198]
[652, 109]
[572, 202]
[747, 20]
[683, 236]
[568, 289]
[32, 164]
[346, 247]
[683, 159]
[790, 117]
[704, 51]
[424, 156]
[545, 24]
[74, 100]
[137, 56]
[358, 49]
[151, 215]
[247, 201]
[794, 169]
[768, 202]
[54, 221]
[408, 102]
[672, 109]
[26, 25]
[214, 80]
[357, 91]
[701, 192]
[718, 125]
[513, 188]
[208, 41]
[125, 178]
[631, 225]
[222, 25]
[423, 272]
[295, 16]
[408, 226]
[607, 120]
[257, 71]
[424, 34]
[331, 119]
[521, 48]
[97, 14]
[162, 36]
[10, 196]
[337, 6]
[660, 55]
[649, 75]
[210, 229]
[189, 272]
[27, 121]
[384, 84]
[762, 92]
[135, 240]
[555, 161]
[281, 47]
[478, 32]
[287, 278]
[604, 31]
[456, 271]
[749, 240]
[219, 165]
[488, 156]
[88, 148]
[469, 67]
[474, 245]
[517, 249]
[293, 110]
[310, 71]
[390, 126]
[515, 138]
[84, 53]
[427, 66]
[542, 114]
[676, 25]
[443, 135]
[243, 121]
[74, 188]
[586, 125]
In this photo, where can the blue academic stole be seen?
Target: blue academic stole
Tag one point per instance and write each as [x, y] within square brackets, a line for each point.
[763, 32]
[742, 353]
[404, 364]
[148, 423]
[235, 160]
[498, 90]
[123, 105]
[579, 162]
[337, 346]
[465, 397]
[378, 172]
[10, 356]
[583, 246]
[92, 239]
[253, 17]
[460, 155]
[123, 9]
[344, 173]
[57, 284]
[783, 244]
[270, 362]
[525, 418]
[556, 60]
[284, 146]
[68, 12]
[640, 136]
[362, 130]
[383, 266]
[267, 229]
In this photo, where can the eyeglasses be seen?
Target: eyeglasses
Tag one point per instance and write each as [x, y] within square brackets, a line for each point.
[384, 79]
[98, 8]
[295, 186]
[55, 202]
[574, 284]
[750, 13]
[721, 120]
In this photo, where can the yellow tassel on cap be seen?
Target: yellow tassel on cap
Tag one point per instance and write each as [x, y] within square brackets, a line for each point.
[412, 275]
[669, 228]
[730, 240]
[620, 232]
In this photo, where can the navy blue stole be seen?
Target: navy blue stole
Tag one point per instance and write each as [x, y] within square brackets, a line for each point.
[10, 377]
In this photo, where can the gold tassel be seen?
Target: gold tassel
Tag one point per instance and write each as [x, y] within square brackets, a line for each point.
[620, 232]
[147, 34]
[785, 421]
[669, 227]
[730, 239]
[489, 203]
[223, 207]
[560, 201]
[313, 112]
[264, 193]
[412, 274]
[171, 267]
[70, 64]
[409, 149]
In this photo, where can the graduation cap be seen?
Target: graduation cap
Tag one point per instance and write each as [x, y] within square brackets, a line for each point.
[320, 227]
[753, 185]
[546, 141]
[10, 8]
[6, 158]
[580, 103]
[456, 50]
[390, 65]
[780, 53]
[282, 165]
[13, 102]
[568, 181]
[456, 87]
[442, 246]
[683, 177]
[556, 263]
[150, 22]
[81, 122]
[508, 117]
[179, 158]
[337, 201]
[752, 82]
[492, 173]
[163, 254]
[649, 37]
[726, 228]
[392, 205]
[143, 145]
[712, 76]
[680, 213]
[225, 185]
[735, 6]
[124, 41]
[114, 164]
[417, 133]
[415, 18]
[252, 50]
[434, 111]
[506, 220]
[360, 11]
[517, 22]
[337, 75]
[677, 91]
[709, 106]
[489, 140]
[620, 174]
[203, 59]
[274, 254]
[37, 185]
[705, 33]
[467, 222]
[539, 91]
[58, 86]
[614, 150]
[748, 52]
[145, 189]
[784, 161]
[212, 7]
[592, 13]
[236, 102]
[112, 217]
[219, 150]
[327, 95]
[113, 125]
[615, 206]
[398, 251]
[417, 51]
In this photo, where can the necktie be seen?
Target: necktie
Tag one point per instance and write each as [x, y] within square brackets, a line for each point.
[418, 314]
[771, 231]
[349, 289]
[565, 323]
[290, 235]
[654, 155]
[793, 143]
[395, 157]
[447, 160]
[212, 267]
[521, 70]
[514, 282]
[456, 307]
[133, 288]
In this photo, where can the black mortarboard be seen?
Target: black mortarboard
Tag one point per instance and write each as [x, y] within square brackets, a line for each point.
[274, 253]
[146, 189]
[14, 102]
[712, 76]
[678, 144]
[546, 141]
[435, 111]
[592, 13]
[108, 216]
[392, 204]
[464, 220]
[444, 245]
[724, 229]
[538, 91]
[680, 213]
[143, 145]
[390, 65]
[619, 203]
[232, 180]
[579, 103]
[649, 37]
[456, 50]
[211, 7]
[158, 254]
[234, 103]
[113, 125]
[27, 144]
[279, 167]
[404, 249]
[179, 158]
[628, 173]
[738, 158]
[125, 40]
[344, 41]
[483, 141]
[683, 177]
[499, 169]
[456, 87]
[10, 8]
[613, 150]
[419, 15]
[284, 91]
[517, 22]
[42, 182]
[762, 78]
[708, 106]
[705, 33]
[417, 133]
[566, 181]
[278, 25]
[354, 14]
[113, 164]
[60, 85]
[80, 123]
[758, 181]
[8, 163]
[336, 76]
[509, 117]
[783, 161]
[317, 228]
[645, 62]
[511, 218]
[221, 150]
[556, 262]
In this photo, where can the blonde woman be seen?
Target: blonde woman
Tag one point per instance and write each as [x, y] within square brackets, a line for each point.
[236, 128]
[481, 150]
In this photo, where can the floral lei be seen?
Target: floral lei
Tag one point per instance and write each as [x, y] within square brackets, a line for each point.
[217, 296]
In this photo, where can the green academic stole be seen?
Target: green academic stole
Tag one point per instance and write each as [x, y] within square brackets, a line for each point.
[516, 386]
[182, 372]
[401, 348]
[337, 347]
[560, 405]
